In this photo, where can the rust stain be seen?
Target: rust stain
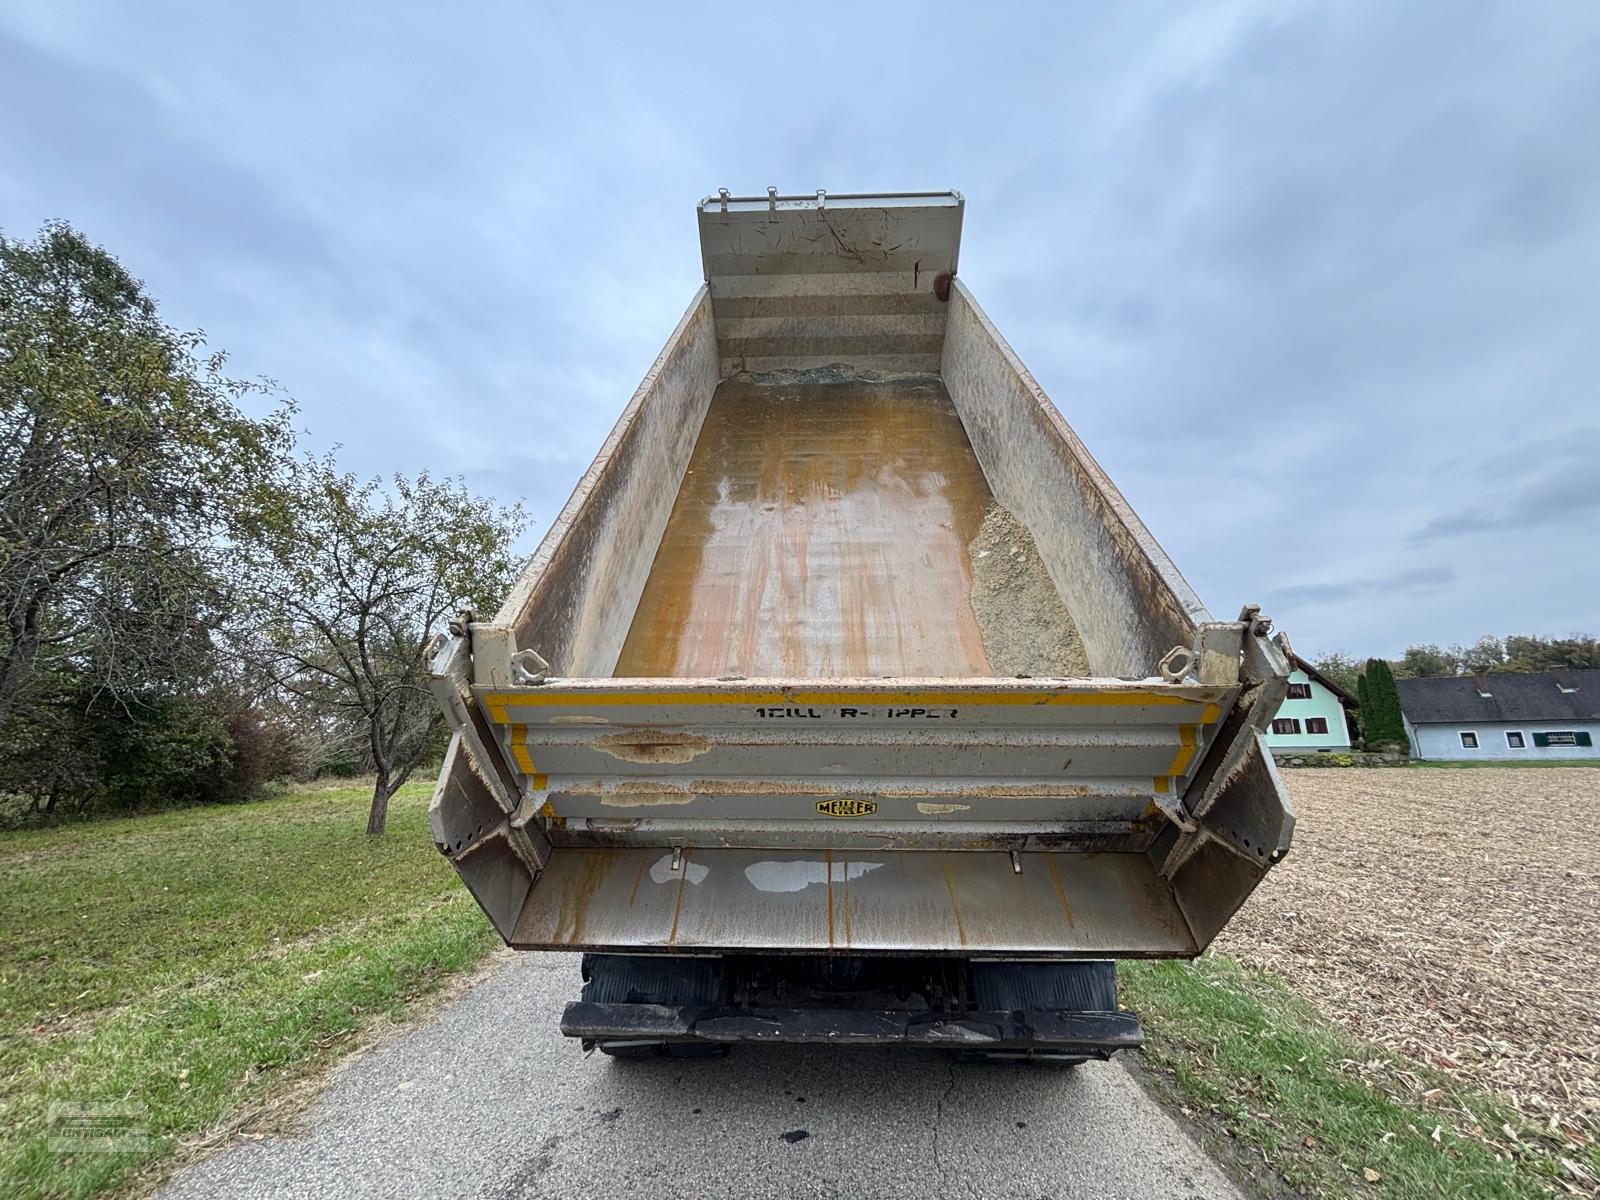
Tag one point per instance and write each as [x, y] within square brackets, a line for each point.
[758, 787]
[653, 746]
[1012, 791]
[849, 933]
[955, 901]
[573, 918]
[1061, 891]
[642, 793]
[828, 855]
[677, 909]
[818, 532]
[644, 861]
[820, 788]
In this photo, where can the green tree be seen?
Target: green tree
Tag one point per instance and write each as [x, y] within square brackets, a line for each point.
[126, 470]
[352, 580]
[1380, 705]
[1427, 661]
[1342, 668]
[1484, 655]
[1530, 652]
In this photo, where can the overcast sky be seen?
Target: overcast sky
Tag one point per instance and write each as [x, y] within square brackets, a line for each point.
[1319, 285]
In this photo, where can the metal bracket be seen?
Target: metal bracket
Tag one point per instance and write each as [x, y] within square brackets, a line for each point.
[496, 661]
[1220, 647]
[1260, 626]
[1218, 650]
[1175, 812]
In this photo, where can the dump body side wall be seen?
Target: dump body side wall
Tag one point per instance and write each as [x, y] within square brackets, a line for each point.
[1130, 603]
[577, 597]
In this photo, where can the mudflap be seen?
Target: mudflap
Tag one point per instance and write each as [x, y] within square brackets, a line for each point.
[645, 1006]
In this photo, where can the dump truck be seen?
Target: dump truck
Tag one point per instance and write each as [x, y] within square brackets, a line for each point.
[847, 700]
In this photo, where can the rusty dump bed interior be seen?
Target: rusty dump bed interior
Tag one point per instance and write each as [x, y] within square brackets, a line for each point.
[846, 642]
[822, 530]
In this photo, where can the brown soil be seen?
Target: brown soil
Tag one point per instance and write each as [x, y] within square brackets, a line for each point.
[1452, 916]
[1026, 627]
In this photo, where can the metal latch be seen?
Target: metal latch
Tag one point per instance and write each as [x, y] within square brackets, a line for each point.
[496, 661]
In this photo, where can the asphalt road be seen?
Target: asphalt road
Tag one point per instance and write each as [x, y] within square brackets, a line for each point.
[489, 1100]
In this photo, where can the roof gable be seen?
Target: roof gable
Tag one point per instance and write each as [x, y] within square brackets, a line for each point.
[1301, 664]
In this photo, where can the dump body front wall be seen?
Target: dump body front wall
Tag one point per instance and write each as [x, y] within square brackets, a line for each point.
[795, 286]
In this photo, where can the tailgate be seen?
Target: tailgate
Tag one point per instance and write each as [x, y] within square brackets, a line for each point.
[1081, 764]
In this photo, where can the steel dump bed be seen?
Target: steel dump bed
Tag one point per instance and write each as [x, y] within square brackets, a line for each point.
[845, 645]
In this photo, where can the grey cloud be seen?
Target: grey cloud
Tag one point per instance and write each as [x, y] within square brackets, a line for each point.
[1553, 493]
[1413, 579]
[98, 142]
[1335, 259]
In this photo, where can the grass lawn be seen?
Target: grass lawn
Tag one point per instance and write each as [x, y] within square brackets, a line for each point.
[193, 963]
[1332, 1116]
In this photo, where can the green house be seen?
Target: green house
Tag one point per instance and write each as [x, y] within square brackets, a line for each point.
[1315, 714]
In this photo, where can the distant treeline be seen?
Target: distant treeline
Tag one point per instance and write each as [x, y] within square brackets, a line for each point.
[189, 605]
[1515, 652]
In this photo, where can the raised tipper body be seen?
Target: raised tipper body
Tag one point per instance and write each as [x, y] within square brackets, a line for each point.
[844, 650]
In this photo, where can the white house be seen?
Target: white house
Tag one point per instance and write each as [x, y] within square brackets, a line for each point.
[1312, 717]
[1553, 714]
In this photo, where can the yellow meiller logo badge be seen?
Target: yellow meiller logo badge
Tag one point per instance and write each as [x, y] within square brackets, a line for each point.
[846, 808]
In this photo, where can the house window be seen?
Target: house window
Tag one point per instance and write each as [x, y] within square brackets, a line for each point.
[1514, 739]
[1563, 738]
[1469, 740]
[1316, 724]
[1286, 725]
[1299, 691]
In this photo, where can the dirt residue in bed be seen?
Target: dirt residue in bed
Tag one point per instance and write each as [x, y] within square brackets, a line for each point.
[1027, 629]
